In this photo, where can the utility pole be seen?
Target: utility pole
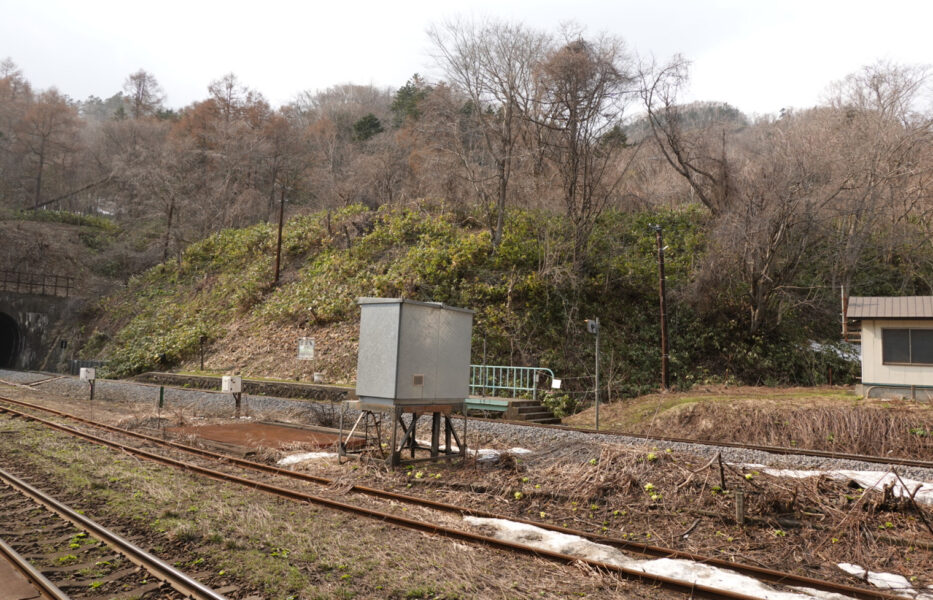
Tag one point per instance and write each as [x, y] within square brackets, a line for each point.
[665, 372]
[592, 326]
[278, 249]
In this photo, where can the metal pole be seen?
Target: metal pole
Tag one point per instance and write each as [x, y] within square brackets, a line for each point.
[278, 250]
[665, 376]
[484, 365]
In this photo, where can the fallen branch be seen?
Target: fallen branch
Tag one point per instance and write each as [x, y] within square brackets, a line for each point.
[690, 529]
[913, 502]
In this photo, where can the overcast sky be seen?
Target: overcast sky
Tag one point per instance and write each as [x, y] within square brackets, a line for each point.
[757, 55]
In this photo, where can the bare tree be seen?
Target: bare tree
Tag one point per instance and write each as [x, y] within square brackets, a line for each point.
[699, 157]
[770, 188]
[882, 143]
[492, 64]
[773, 223]
[586, 86]
[48, 134]
[15, 96]
[143, 94]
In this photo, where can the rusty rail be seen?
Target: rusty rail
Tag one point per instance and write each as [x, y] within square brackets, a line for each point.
[181, 582]
[39, 284]
[761, 573]
[45, 588]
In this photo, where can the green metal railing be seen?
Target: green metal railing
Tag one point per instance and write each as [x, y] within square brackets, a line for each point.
[494, 380]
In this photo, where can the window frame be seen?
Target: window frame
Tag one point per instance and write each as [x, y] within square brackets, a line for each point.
[910, 347]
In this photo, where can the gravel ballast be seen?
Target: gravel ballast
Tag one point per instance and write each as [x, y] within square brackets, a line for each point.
[538, 439]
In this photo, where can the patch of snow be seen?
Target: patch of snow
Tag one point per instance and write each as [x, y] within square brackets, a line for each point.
[486, 454]
[690, 572]
[490, 455]
[886, 581]
[297, 458]
[483, 454]
[441, 446]
[876, 480]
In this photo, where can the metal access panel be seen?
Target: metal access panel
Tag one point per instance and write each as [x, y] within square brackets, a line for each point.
[231, 383]
[413, 353]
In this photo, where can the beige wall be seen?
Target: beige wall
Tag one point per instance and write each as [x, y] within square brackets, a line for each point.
[874, 372]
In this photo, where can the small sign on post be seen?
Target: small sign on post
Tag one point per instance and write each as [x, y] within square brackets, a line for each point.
[234, 385]
[306, 352]
[89, 374]
[305, 348]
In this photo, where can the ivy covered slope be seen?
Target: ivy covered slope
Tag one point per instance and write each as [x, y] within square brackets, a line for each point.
[530, 299]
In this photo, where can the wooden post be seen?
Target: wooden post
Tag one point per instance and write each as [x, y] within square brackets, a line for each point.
[740, 507]
[414, 431]
[278, 245]
[447, 428]
[463, 442]
[341, 449]
[435, 433]
[665, 374]
[394, 456]
[236, 397]
[722, 472]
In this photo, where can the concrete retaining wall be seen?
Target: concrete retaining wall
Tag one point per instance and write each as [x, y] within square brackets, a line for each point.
[307, 391]
[199, 401]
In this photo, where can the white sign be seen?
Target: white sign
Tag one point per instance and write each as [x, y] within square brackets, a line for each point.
[305, 348]
[87, 374]
[231, 383]
[555, 384]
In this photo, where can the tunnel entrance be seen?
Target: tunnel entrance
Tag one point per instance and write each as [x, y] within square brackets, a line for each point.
[9, 340]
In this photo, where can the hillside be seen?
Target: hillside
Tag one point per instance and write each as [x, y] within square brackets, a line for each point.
[57, 247]
[530, 303]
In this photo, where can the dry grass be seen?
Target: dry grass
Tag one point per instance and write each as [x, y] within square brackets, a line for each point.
[660, 497]
[274, 548]
[818, 418]
[641, 494]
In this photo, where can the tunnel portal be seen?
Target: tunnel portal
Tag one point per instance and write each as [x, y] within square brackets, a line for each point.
[9, 341]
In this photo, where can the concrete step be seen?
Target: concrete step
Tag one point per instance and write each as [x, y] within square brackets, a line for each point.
[544, 418]
[522, 403]
[534, 416]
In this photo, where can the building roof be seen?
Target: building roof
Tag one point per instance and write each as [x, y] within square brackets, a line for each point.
[888, 307]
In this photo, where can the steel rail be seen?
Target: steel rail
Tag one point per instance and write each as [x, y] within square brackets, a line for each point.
[781, 450]
[32, 574]
[440, 530]
[178, 580]
[761, 573]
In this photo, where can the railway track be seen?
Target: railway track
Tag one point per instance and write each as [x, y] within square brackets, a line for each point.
[779, 450]
[88, 556]
[760, 573]
[22, 580]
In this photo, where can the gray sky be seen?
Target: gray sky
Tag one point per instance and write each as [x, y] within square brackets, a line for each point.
[757, 55]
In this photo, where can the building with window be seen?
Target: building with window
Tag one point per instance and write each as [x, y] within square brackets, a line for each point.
[897, 345]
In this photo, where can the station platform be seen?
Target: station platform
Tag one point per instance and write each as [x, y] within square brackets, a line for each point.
[513, 409]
